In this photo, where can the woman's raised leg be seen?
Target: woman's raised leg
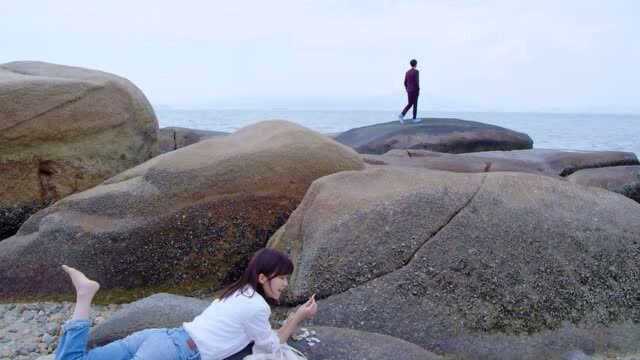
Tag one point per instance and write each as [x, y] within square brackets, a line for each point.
[73, 344]
[143, 345]
[85, 291]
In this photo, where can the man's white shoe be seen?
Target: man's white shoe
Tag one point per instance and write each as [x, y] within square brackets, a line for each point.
[401, 118]
[415, 121]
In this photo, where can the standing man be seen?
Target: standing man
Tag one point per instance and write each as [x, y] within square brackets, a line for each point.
[412, 85]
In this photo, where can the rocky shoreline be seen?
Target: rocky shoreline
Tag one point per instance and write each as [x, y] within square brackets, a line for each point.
[443, 238]
[31, 330]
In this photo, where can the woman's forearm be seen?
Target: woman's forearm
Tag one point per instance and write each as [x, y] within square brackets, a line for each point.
[289, 327]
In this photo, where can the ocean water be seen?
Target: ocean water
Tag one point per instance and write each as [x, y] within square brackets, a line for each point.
[554, 131]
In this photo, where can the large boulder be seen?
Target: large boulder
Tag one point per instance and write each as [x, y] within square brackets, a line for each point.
[624, 180]
[65, 129]
[170, 311]
[326, 343]
[539, 161]
[435, 134]
[563, 162]
[428, 255]
[184, 220]
[568, 342]
[451, 162]
[174, 138]
[156, 311]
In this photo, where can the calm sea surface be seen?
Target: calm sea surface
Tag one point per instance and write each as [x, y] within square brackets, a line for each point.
[557, 131]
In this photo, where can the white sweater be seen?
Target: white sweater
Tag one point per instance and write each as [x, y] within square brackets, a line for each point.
[226, 327]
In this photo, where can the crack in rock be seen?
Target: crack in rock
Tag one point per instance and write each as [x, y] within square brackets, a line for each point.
[451, 218]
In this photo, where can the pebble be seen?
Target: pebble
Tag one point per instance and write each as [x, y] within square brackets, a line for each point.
[29, 331]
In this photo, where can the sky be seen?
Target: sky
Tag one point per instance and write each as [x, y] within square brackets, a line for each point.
[542, 55]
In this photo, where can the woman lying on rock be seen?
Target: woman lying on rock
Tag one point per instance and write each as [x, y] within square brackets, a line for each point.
[230, 328]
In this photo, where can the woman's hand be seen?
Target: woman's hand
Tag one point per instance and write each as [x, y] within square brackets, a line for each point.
[308, 309]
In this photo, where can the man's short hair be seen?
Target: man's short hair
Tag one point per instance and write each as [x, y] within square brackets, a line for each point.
[413, 62]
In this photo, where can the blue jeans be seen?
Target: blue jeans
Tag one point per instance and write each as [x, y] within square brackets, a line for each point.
[152, 344]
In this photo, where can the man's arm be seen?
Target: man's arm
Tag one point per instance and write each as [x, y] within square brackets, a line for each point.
[418, 79]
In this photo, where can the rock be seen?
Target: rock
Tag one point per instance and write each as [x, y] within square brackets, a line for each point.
[566, 342]
[334, 225]
[537, 161]
[442, 135]
[6, 353]
[27, 349]
[65, 129]
[576, 355]
[28, 315]
[184, 220]
[173, 138]
[47, 339]
[624, 180]
[428, 255]
[451, 162]
[156, 311]
[47, 357]
[346, 344]
[564, 162]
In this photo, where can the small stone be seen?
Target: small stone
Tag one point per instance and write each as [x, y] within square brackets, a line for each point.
[47, 339]
[52, 328]
[28, 315]
[54, 309]
[575, 355]
[7, 353]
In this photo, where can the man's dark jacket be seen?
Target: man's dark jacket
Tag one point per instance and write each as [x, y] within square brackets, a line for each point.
[412, 81]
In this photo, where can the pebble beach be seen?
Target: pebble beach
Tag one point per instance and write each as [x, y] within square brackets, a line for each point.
[31, 330]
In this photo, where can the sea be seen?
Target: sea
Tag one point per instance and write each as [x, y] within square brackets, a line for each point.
[619, 132]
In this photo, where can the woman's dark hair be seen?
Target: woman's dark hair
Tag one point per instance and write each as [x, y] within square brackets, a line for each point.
[413, 62]
[266, 261]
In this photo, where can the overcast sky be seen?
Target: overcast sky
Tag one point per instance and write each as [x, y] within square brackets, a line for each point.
[569, 55]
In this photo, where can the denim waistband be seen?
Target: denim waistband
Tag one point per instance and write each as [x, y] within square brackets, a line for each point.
[187, 348]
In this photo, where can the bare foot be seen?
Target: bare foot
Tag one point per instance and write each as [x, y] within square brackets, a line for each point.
[85, 287]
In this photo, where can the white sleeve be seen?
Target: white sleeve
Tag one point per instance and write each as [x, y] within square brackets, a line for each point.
[259, 331]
